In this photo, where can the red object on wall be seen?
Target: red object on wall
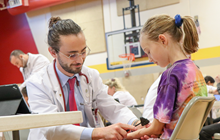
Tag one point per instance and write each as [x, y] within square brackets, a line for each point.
[34, 5]
[15, 34]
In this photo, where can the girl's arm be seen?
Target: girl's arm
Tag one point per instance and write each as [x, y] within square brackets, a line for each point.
[154, 129]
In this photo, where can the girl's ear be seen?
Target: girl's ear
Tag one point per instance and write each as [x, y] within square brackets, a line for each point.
[52, 52]
[163, 39]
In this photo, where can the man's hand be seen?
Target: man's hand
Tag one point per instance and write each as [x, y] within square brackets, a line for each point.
[113, 132]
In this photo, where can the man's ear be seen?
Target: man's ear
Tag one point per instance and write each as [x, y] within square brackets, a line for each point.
[52, 52]
[21, 56]
[163, 39]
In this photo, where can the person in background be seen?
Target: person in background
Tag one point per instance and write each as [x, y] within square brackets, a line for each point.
[25, 95]
[27, 63]
[211, 90]
[151, 98]
[217, 79]
[168, 40]
[209, 84]
[117, 90]
[208, 131]
[209, 80]
[67, 84]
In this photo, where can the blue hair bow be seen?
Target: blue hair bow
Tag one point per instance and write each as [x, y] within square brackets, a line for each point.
[178, 20]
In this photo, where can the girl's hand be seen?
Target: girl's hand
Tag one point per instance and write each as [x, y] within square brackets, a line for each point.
[150, 130]
[145, 137]
[135, 135]
[140, 134]
[148, 125]
[145, 126]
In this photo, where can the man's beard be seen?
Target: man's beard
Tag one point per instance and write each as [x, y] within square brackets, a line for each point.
[24, 63]
[67, 68]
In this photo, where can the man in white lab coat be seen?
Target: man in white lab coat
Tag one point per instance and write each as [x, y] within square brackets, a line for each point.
[49, 90]
[28, 63]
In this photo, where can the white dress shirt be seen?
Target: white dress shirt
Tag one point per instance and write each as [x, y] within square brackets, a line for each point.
[35, 63]
[150, 100]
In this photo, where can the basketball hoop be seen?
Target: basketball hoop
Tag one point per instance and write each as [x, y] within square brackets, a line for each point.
[17, 3]
[127, 62]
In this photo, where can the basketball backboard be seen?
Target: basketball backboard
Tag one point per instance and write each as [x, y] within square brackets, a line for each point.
[124, 42]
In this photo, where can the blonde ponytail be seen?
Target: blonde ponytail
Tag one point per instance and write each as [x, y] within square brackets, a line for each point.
[165, 24]
[114, 82]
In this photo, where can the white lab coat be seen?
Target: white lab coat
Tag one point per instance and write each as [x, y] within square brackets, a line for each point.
[150, 100]
[34, 64]
[45, 96]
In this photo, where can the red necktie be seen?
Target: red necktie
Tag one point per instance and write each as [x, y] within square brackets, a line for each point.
[72, 101]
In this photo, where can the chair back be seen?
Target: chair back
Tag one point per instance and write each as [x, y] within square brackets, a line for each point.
[135, 111]
[192, 118]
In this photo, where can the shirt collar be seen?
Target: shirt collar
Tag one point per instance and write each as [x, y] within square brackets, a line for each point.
[63, 78]
[28, 62]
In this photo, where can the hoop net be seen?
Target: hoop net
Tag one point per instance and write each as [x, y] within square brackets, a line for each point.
[127, 62]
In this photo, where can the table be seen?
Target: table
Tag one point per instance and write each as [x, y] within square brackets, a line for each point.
[28, 121]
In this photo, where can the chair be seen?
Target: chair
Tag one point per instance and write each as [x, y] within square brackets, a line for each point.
[135, 110]
[217, 136]
[192, 118]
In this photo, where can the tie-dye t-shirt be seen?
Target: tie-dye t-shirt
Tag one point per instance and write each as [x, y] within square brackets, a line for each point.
[178, 85]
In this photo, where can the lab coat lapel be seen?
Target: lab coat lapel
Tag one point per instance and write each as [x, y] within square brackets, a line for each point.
[87, 95]
[55, 84]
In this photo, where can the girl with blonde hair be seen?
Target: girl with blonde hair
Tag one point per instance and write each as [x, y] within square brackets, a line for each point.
[169, 40]
[117, 90]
